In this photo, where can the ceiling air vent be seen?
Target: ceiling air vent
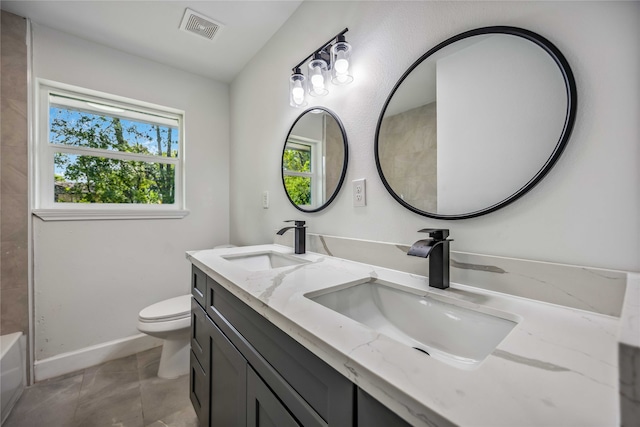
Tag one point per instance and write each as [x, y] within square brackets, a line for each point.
[195, 23]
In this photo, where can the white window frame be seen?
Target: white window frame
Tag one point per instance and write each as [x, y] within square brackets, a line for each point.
[43, 160]
[317, 167]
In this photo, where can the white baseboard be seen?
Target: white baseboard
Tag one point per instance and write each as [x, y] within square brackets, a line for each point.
[90, 356]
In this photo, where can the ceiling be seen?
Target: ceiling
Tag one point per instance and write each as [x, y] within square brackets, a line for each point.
[150, 29]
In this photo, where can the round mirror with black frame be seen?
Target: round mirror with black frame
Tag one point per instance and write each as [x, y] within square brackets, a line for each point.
[475, 123]
[314, 159]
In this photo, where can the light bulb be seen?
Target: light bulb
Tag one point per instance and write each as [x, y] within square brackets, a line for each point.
[317, 81]
[340, 57]
[318, 76]
[298, 98]
[342, 65]
[298, 93]
[297, 89]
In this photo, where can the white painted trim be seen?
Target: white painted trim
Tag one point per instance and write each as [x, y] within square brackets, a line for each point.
[120, 155]
[106, 214]
[43, 173]
[90, 356]
[110, 98]
[31, 129]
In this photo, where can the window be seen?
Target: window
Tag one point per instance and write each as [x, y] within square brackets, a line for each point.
[101, 156]
[302, 170]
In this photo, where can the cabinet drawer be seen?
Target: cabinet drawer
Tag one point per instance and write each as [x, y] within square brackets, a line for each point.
[199, 391]
[199, 285]
[329, 393]
[200, 331]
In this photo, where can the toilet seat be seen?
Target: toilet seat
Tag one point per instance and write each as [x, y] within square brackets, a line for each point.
[170, 320]
[177, 308]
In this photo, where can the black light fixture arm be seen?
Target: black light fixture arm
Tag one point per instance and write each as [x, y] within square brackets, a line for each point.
[319, 50]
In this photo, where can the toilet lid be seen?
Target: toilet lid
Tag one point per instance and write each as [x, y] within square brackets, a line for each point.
[168, 309]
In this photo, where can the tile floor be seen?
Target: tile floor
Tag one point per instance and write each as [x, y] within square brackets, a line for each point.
[121, 393]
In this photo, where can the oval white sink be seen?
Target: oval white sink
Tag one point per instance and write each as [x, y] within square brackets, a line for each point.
[264, 260]
[456, 335]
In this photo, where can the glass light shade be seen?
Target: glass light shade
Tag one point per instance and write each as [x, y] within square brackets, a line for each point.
[297, 90]
[318, 77]
[340, 58]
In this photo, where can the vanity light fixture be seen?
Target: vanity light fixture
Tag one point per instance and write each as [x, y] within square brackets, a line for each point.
[297, 89]
[318, 76]
[340, 57]
[330, 62]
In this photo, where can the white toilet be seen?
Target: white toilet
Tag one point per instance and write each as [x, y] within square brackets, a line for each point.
[170, 320]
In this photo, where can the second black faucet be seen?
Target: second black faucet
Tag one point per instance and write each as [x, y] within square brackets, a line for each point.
[436, 247]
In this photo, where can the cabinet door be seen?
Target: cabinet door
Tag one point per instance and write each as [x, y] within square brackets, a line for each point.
[199, 391]
[228, 382]
[312, 390]
[263, 407]
[198, 285]
[200, 331]
[372, 413]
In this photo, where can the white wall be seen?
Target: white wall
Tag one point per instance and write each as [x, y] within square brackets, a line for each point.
[492, 97]
[93, 277]
[310, 126]
[584, 212]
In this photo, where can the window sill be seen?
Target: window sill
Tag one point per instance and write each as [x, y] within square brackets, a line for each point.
[106, 214]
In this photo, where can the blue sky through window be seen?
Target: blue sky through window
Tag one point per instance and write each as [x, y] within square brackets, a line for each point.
[134, 132]
[140, 137]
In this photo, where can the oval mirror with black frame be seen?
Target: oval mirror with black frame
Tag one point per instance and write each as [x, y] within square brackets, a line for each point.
[475, 123]
[314, 159]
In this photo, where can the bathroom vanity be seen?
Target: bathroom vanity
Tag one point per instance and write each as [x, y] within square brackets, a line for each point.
[244, 369]
[277, 341]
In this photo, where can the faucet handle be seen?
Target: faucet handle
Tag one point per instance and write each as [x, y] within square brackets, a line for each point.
[297, 222]
[436, 233]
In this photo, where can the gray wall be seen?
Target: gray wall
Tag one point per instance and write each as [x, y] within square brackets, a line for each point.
[13, 177]
[408, 150]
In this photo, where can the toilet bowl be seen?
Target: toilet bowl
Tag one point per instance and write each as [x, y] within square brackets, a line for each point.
[169, 320]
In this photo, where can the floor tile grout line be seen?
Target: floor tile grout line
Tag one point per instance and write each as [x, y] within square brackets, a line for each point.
[140, 387]
[75, 410]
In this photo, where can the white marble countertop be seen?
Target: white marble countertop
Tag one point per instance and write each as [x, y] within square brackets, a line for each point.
[557, 367]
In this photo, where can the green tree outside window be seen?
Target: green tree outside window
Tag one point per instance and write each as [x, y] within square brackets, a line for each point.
[100, 179]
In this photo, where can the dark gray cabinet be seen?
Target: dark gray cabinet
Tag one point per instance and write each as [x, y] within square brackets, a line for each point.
[200, 331]
[313, 391]
[228, 382]
[263, 407]
[372, 414]
[199, 391]
[199, 286]
[247, 372]
[199, 368]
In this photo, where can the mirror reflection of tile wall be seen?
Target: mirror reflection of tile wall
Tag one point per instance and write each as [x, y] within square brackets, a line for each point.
[410, 162]
[13, 176]
[333, 156]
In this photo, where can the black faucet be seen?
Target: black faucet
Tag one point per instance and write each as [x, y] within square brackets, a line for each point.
[300, 237]
[436, 247]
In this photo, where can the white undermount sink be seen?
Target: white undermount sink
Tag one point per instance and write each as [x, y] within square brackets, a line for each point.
[266, 260]
[460, 336]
